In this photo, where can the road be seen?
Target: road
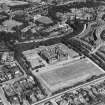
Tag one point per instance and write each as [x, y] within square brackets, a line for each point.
[87, 29]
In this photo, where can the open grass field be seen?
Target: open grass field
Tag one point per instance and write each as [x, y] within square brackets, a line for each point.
[69, 75]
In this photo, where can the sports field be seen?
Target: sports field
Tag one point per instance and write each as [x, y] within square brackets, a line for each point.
[69, 75]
